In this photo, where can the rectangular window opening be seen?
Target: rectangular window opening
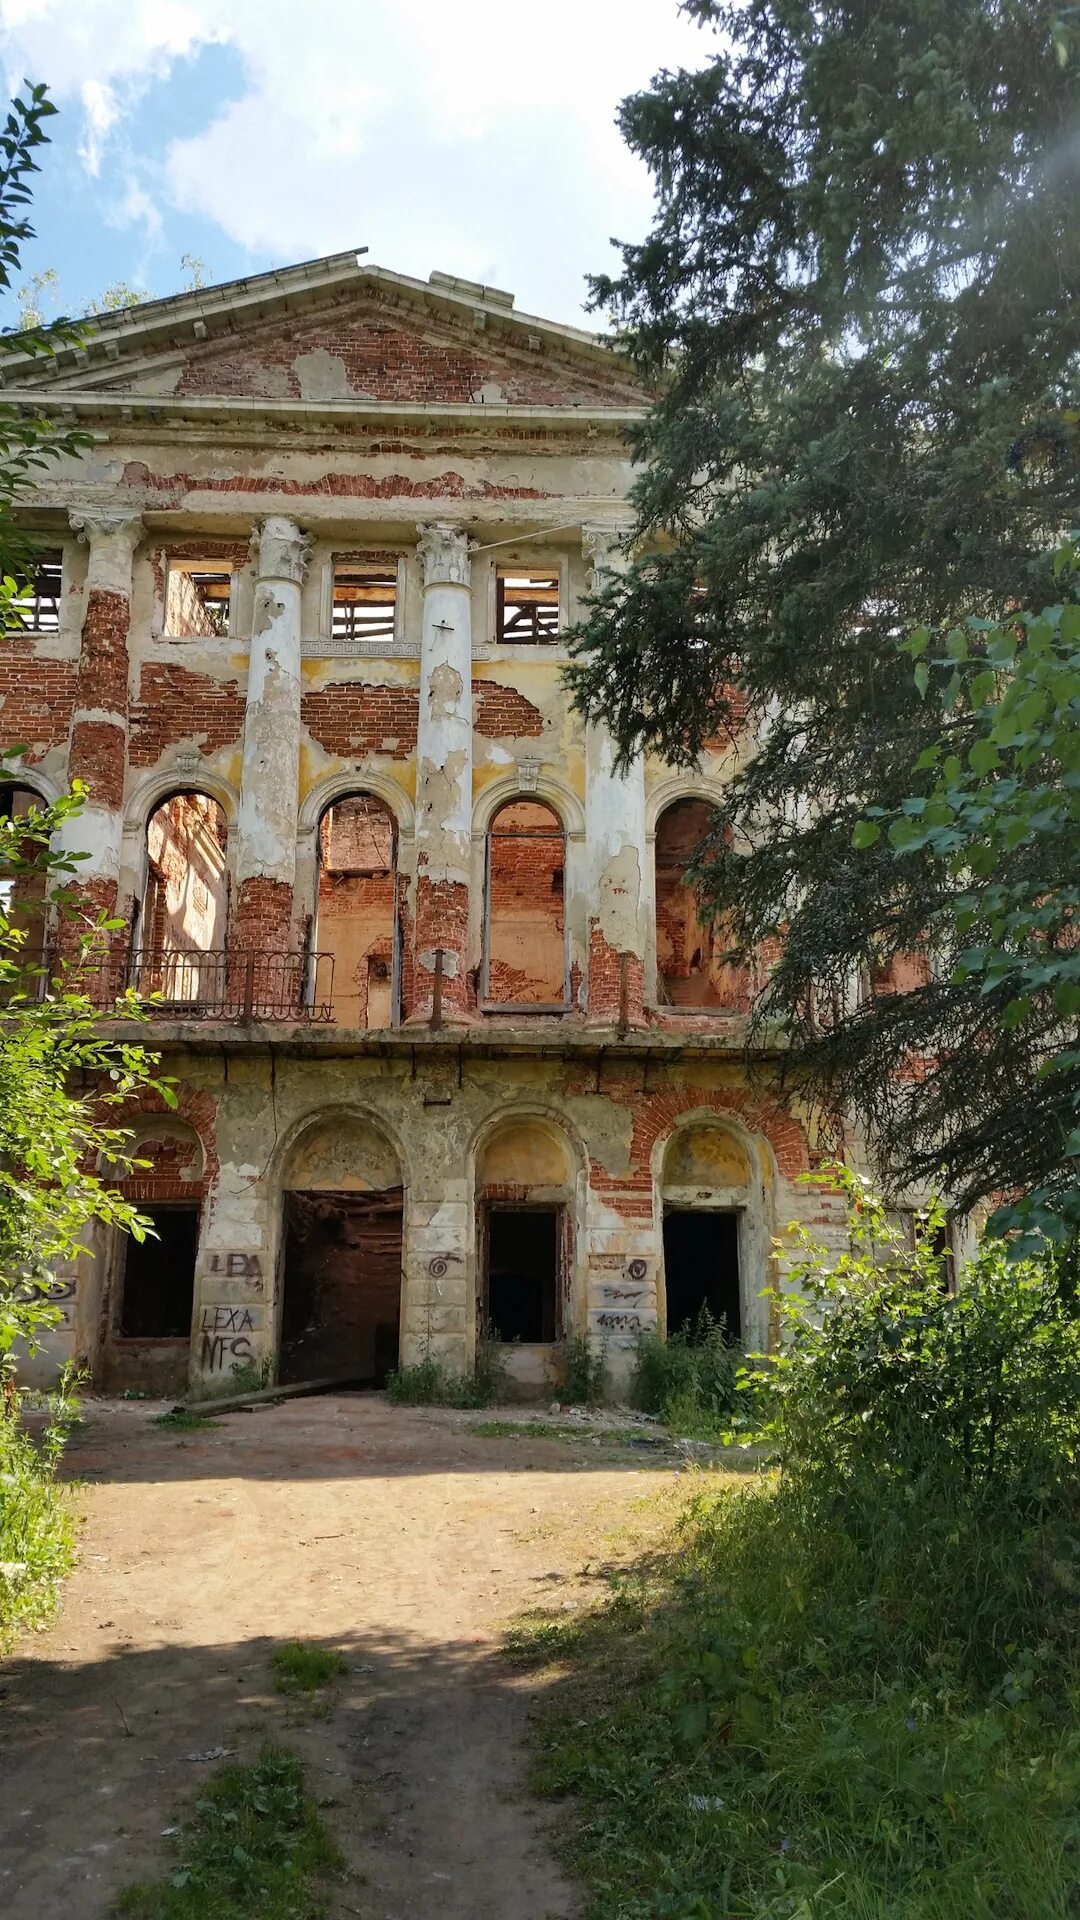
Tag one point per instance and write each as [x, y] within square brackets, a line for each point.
[701, 1269]
[526, 607]
[198, 596]
[364, 605]
[159, 1276]
[36, 608]
[522, 1278]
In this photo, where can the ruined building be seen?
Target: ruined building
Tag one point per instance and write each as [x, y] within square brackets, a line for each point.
[452, 1044]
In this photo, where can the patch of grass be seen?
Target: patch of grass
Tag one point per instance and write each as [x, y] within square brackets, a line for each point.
[37, 1529]
[301, 1668]
[254, 1849]
[430, 1383]
[563, 1430]
[181, 1420]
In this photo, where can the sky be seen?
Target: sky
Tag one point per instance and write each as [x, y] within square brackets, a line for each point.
[473, 136]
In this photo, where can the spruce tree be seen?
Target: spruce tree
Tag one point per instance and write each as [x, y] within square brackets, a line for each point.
[859, 309]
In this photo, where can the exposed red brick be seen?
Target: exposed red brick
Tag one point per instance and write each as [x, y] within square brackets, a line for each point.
[351, 718]
[176, 704]
[442, 921]
[262, 921]
[97, 757]
[36, 698]
[103, 657]
[605, 984]
[387, 358]
[501, 713]
[346, 486]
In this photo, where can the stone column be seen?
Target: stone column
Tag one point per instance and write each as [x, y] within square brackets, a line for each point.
[444, 776]
[270, 776]
[614, 844]
[97, 753]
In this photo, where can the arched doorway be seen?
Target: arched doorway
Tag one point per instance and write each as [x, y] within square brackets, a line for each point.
[525, 908]
[356, 910]
[690, 969]
[341, 1255]
[525, 1191]
[706, 1181]
[184, 909]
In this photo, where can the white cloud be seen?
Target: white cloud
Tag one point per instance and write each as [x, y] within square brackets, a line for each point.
[477, 137]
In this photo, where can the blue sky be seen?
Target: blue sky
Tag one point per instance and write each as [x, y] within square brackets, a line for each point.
[476, 136]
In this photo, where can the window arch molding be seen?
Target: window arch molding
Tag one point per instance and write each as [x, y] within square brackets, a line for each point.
[350, 785]
[548, 791]
[30, 780]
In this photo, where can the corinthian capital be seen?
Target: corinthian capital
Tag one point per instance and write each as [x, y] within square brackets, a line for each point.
[112, 537]
[445, 552]
[605, 549]
[281, 550]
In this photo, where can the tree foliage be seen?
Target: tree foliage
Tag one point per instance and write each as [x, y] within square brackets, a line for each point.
[858, 306]
[1001, 821]
[62, 1073]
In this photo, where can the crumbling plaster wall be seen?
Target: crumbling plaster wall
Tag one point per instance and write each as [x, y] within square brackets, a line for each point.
[615, 1134]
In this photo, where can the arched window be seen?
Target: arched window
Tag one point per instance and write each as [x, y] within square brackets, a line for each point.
[182, 922]
[356, 912]
[690, 969]
[524, 1183]
[525, 918]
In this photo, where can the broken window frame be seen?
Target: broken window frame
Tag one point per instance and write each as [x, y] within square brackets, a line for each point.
[533, 566]
[378, 566]
[659, 999]
[37, 609]
[209, 570]
[561, 1211]
[486, 1003]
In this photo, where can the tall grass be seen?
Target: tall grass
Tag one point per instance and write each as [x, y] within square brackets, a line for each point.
[37, 1531]
[851, 1688]
[691, 1379]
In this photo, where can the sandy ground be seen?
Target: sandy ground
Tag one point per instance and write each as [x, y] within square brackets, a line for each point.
[401, 1537]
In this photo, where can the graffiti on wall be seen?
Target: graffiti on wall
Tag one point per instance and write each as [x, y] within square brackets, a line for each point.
[225, 1335]
[235, 1266]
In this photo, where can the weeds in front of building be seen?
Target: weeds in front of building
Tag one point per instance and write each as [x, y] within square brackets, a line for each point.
[37, 1529]
[255, 1845]
[851, 1687]
[690, 1380]
[431, 1383]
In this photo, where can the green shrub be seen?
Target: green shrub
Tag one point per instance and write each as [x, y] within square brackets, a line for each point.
[430, 1383]
[36, 1526]
[851, 1692]
[584, 1383]
[254, 1849]
[691, 1379]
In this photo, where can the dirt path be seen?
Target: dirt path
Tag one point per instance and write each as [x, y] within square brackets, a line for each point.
[401, 1537]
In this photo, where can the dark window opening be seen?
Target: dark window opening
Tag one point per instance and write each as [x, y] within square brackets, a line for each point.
[342, 1290]
[36, 607]
[522, 1280]
[526, 607]
[701, 1268]
[915, 1230]
[159, 1276]
[364, 603]
[197, 600]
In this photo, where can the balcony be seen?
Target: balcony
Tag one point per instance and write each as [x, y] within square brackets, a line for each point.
[233, 985]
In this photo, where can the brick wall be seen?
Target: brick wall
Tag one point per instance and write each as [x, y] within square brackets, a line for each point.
[388, 360]
[442, 920]
[501, 713]
[350, 718]
[176, 704]
[605, 988]
[36, 698]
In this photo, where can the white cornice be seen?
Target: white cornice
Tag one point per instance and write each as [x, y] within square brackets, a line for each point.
[178, 407]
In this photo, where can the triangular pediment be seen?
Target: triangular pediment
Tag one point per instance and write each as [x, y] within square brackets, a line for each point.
[337, 333]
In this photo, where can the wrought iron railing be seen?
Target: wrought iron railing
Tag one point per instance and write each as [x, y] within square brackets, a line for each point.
[224, 984]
